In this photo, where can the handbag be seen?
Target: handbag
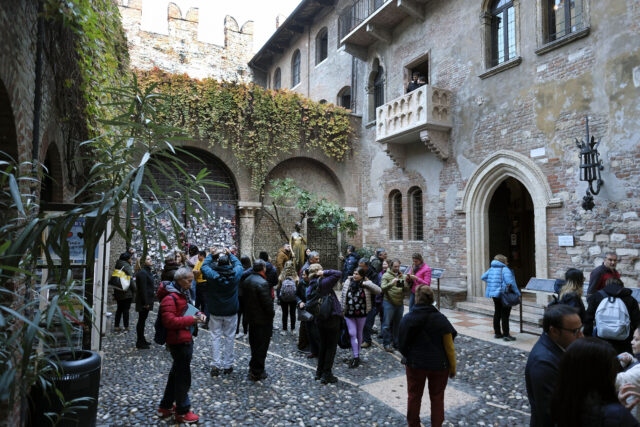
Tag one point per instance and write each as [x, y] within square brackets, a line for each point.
[304, 315]
[120, 280]
[509, 297]
[325, 308]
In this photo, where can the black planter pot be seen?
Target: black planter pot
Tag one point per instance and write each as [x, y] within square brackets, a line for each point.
[80, 377]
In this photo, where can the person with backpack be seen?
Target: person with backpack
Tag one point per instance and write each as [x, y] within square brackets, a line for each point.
[426, 342]
[324, 305]
[569, 291]
[498, 277]
[613, 314]
[124, 297]
[357, 302]
[286, 291]
[174, 297]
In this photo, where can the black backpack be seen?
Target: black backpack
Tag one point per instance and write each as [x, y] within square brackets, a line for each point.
[160, 336]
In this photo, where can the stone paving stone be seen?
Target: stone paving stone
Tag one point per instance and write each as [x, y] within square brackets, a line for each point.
[133, 382]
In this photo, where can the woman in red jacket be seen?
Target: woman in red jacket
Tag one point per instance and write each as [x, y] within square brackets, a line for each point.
[174, 298]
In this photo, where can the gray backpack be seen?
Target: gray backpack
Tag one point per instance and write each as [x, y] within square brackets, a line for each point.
[612, 319]
[288, 290]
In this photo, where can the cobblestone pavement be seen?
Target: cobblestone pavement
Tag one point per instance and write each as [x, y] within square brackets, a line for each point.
[489, 388]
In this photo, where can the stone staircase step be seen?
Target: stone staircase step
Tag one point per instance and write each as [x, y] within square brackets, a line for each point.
[530, 319]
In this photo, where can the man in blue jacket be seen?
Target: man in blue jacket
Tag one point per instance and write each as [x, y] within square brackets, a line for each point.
[562, 326]
[223, 305]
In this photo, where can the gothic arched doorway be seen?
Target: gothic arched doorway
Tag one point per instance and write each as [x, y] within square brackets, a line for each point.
[511, 228]
[218, 230]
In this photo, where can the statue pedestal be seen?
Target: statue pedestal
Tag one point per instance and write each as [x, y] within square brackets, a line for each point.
[247, 226]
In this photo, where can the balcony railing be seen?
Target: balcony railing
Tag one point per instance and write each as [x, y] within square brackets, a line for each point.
[421, 115]
[356, 14]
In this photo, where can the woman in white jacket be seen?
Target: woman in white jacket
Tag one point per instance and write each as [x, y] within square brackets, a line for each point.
[356, 303]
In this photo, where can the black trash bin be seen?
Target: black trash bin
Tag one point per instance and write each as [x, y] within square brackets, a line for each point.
[80, 377]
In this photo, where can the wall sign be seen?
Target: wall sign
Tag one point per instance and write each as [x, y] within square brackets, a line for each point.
[565, 240]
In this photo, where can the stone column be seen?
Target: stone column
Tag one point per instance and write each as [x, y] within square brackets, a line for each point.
[247, 226]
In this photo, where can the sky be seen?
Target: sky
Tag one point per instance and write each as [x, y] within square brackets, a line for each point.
[212, 12]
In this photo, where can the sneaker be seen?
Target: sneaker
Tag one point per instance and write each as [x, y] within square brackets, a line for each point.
[509, 338]
[498, 336]
[252, 377]
[354, 363]
[318, 376]
[126, 329]
[263, 376]
[188, 418]
[227, 371]
[329, 379]
[117, 329]
[388, 349]
[163, 413]
[239, 335]
[215, 372]
[142, 346]
[365, 345]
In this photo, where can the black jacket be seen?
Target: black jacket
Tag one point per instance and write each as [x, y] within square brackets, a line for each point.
[145, 289]
[258, 305]
[420, 337]
[350, 264]
[540, 374]
[632, 307]
[169, 270]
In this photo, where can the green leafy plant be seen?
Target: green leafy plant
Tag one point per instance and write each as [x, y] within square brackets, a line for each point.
[117, 189]
[255, 124]
[324, 214]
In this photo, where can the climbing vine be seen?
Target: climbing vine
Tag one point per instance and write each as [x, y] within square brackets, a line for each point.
[258, 125]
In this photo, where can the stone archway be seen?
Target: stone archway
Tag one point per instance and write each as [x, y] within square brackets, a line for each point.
[316, 177]
[478, 194]
[219, 230]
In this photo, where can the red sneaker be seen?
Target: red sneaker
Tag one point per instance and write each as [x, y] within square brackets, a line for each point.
[188, 418]
[163, 413]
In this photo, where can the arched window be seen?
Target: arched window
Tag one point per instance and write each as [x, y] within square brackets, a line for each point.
[503, 31]
[322, 45]
[277, 82]
[378, 88]
[416, 214]
[395, 215]
[322, 101]
[344, 97]
[295, 68]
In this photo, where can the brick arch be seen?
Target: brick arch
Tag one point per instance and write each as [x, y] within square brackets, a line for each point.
[477, 196]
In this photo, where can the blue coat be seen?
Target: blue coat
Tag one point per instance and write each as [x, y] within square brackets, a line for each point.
[540, 376]
[222, 286]
[497, 278]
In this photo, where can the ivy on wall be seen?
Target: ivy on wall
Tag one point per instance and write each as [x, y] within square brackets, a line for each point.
[258, 125]
[99, 58]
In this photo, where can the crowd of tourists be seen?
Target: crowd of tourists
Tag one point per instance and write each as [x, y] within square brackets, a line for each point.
[570, 380]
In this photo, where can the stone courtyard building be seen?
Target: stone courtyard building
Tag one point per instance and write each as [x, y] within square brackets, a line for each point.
[481, 160]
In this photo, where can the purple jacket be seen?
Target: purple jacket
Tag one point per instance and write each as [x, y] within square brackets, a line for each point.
[325, 286]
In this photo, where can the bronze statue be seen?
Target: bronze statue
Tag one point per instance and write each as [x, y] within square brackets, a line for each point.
[298, 245]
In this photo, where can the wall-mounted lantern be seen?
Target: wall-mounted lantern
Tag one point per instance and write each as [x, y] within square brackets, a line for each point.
[590, 167]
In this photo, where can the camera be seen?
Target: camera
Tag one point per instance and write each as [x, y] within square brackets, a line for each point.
[400, 283]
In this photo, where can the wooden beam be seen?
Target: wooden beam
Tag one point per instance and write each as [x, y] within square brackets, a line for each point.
[381, 33]
[295, 28]
[412, 8]
[275, 49]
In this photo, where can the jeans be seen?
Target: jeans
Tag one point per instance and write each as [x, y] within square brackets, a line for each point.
[368, 325]
[223, 331]
[288, 310]
[259, 339]
[412, 301]
[192, 291]
[355, 325]
[416, 379]
[142, 318]
[500, 314]
[391, 326]
[123, 311]
[241, 315]
[179, 382]
[328, 333]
